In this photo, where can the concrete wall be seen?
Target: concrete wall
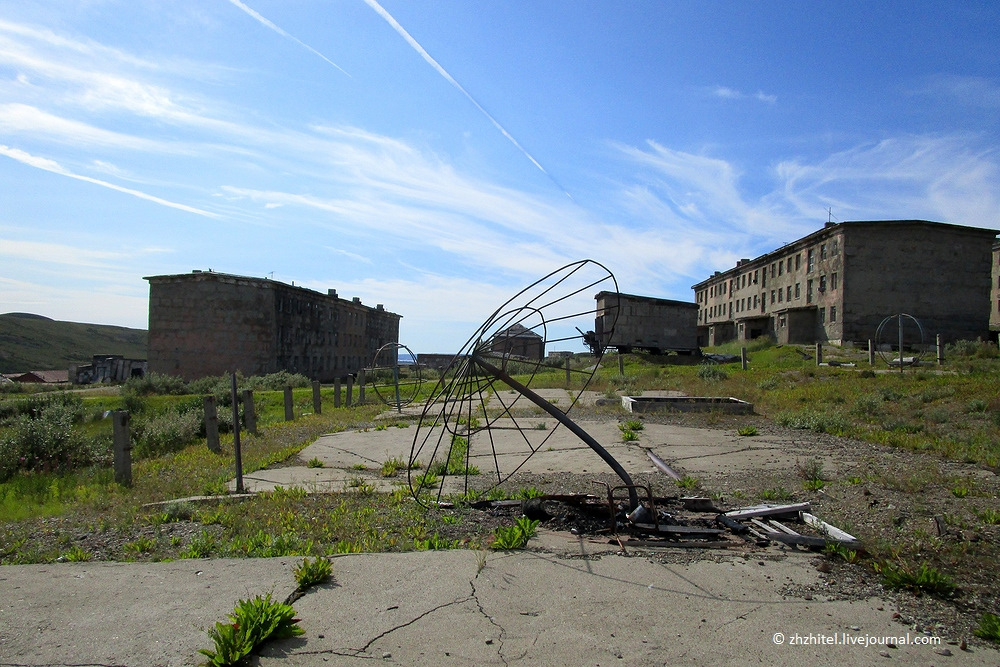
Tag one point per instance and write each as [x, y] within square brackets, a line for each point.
[647, 323]
[939, 274]
[205, 323]
[995, 290]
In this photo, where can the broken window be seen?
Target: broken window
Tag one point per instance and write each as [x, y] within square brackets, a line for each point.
[781, 267]
[789, 264]
[833, 313]
[822, 251]
[833, 281]
[809, 291]
[798, 292]
[798, 261]
[822, 284]
[811, 261]
[788, 293]
[822, 315]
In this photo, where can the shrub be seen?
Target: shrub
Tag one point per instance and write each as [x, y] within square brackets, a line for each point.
[711, 373]
[47, 442]
[989, 627]
[156, 383]
[160, 434]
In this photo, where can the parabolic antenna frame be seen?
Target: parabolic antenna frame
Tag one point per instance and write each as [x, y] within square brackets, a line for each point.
[395, 385]
[481, 391]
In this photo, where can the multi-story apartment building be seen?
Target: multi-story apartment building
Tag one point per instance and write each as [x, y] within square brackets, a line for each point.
[995, 291]
[206, 323]
[838, 283]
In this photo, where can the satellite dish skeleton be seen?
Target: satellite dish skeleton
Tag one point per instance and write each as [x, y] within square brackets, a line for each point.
[477, 398]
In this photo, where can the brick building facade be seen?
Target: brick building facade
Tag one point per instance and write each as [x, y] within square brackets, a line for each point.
[206, 323]
[838, 283]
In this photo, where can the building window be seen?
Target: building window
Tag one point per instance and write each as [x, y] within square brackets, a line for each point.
[809, 291]
[822, 284]
[822, 315]
[772, 298]
[755, 276]
[834, 247]
[822, 251]
[763, 278]
[811, 261]
[789, 264]
[772, 269]
[833, 313]
[781, 322]
[798, 292]
[755, 301]
[798, 261]
[833, 281]
[780, 295]
[788, 293]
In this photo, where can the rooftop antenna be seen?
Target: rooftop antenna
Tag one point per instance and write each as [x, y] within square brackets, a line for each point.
[829, 214]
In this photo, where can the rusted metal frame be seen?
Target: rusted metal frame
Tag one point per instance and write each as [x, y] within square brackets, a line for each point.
[565, 421]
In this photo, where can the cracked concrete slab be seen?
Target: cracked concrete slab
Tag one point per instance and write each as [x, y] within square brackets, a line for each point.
[539, 608]
[123, 613]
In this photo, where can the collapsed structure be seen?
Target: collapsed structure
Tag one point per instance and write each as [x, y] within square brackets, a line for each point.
[206, 323]
[837, 284]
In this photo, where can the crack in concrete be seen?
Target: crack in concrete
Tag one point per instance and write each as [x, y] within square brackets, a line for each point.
[491, 619]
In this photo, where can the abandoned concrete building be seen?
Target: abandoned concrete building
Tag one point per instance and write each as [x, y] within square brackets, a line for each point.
[628, 321]
[995, 291]
[838, 283]
[108, 368]
[519, 341]
[206, 323]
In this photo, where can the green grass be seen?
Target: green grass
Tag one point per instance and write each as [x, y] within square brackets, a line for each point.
[924, 579]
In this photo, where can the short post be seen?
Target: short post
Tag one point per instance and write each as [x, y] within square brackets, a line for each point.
[237, 450]
[361, 386]
[336, 392]
[567, 372]
[289, 408]
[871, 352]
[123, 448]
[212, 425]
[819, 353]
[621, 365]
[317, 402]
[350, 389]
[743, 357]
[940, 351]
[249, 411]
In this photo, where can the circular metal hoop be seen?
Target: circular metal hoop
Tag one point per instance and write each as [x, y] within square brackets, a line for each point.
[886, 337]
[397, 385]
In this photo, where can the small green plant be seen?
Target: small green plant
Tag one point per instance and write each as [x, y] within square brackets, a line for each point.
[634, 425]
[360, 485]
[924, 579]
[529, 492]
[392, 467]
[359, 467]
[989, 627]
[811, 470]
[428, 480]
[779, 493]
[516, 536]
[314, 462]
[541, 426]
[381, 427]
[252, 623]
[435, 543]
[837, 550]
[311, 572]
[747, 431]
[629, 436]
[142, 545]
[960, 490]
[813, 484]
[687, 482]
[990, 516]
[201, 546]
[77, 555]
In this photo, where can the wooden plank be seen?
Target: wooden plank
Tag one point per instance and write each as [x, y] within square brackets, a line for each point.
[827, 529]
[768, 510]
[680, 530]
[782, 527]
[763, 526]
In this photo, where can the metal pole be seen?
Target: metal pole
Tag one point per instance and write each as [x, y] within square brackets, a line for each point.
[633, 497]
[236, 440]
[395, 381]
[900, 343]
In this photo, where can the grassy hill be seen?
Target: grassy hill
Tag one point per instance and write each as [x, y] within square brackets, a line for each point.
[32, 342]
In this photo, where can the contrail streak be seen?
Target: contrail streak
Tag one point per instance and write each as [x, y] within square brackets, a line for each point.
[56, 168]
[281, 32]
[450, 79]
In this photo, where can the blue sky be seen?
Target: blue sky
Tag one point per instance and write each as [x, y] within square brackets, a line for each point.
[436, 157]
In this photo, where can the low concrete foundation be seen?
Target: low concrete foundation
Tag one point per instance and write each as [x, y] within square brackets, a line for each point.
[729, 405]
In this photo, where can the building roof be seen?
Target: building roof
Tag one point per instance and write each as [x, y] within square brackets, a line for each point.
[647, 299]
[48, 377]
[516, 331]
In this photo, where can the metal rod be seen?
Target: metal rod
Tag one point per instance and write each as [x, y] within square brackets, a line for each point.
[236, 439]
[633, 497]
